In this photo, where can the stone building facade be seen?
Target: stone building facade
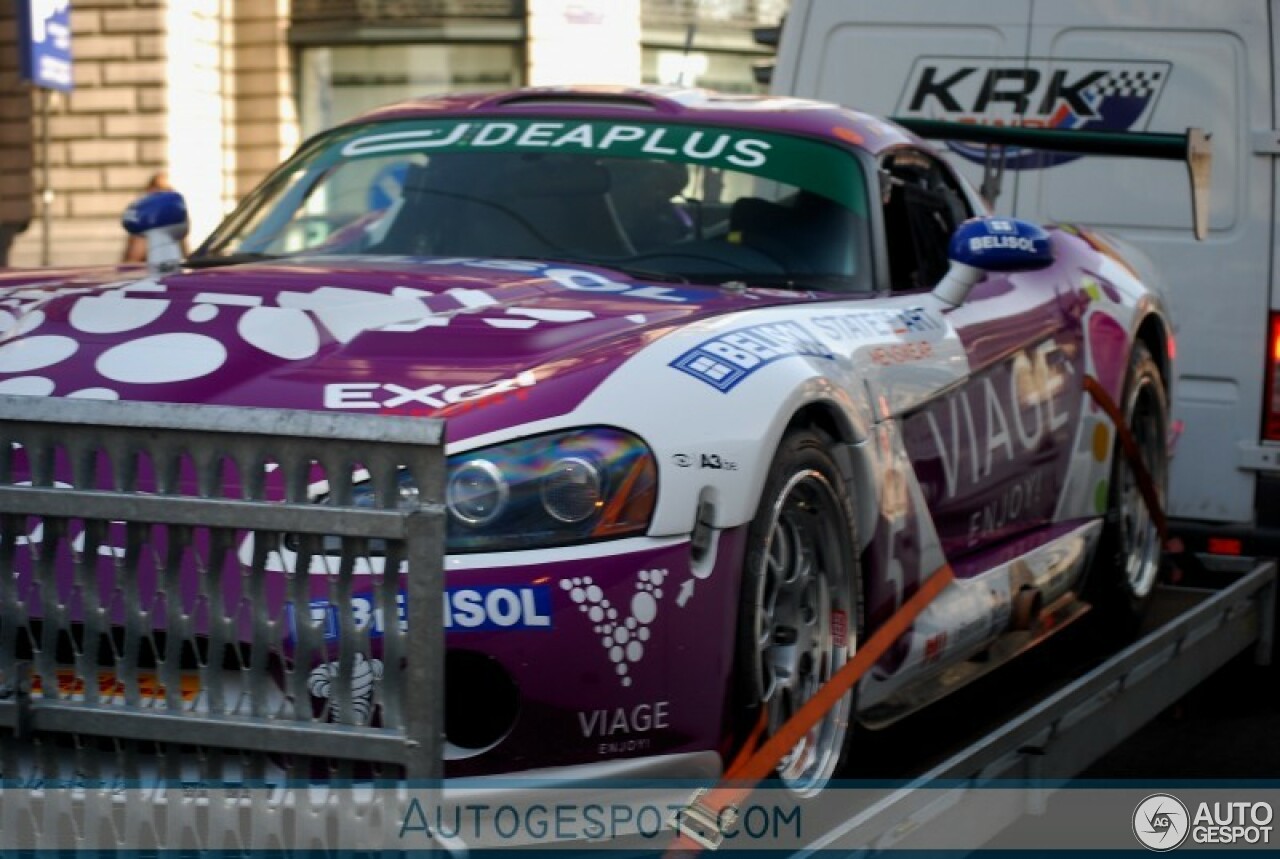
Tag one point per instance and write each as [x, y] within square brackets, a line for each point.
[17, 165]
[215, 93]
[199, 89]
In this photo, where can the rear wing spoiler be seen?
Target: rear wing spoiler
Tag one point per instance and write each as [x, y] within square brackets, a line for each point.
[1192, 148]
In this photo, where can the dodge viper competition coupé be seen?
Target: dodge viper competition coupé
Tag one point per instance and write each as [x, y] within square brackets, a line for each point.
[725, 380]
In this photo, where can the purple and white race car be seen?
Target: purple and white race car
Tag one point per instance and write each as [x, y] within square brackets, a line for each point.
[725, 380]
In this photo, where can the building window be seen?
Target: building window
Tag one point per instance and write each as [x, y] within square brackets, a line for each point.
[338, 82]
[725, 71]
[705, 43]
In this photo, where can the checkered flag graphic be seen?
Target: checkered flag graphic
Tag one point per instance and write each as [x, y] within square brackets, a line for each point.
[1127, 84]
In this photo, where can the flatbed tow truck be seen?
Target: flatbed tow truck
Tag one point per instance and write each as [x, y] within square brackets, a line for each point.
[1226, 609]
[74, 737]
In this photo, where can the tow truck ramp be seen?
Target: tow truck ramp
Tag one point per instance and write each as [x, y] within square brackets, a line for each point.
[1060, 737]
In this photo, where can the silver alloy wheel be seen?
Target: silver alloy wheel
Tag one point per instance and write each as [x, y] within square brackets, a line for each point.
[1139, 538]
[803, 584]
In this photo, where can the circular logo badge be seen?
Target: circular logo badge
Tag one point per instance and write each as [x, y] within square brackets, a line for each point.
[1160, 822]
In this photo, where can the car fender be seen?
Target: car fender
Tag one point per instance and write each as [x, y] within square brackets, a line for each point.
[715, 440]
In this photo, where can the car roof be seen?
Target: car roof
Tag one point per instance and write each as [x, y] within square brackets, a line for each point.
[666, 104]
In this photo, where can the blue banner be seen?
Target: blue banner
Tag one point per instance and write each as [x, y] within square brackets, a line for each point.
[44, 35]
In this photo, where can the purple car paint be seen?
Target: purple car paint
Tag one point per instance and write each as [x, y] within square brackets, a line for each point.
[458, 354]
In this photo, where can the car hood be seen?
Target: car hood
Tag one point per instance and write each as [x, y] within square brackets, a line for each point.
[485, 343]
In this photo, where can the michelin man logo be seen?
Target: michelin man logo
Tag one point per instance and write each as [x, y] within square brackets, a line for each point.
[623, 637]
[365, 674]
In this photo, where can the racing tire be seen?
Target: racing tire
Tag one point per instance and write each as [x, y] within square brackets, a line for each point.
[1127, 563]
[798, 615]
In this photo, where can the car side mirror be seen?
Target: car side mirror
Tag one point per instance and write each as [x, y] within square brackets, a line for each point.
[982, 245]
[161, 218]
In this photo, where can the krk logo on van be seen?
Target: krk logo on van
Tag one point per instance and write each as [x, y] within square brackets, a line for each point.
[1099, 95]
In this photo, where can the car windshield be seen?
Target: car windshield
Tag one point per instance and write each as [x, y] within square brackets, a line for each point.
[707, 203]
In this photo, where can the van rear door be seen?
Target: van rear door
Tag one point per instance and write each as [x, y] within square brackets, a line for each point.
[1164, 67]
[866, 53]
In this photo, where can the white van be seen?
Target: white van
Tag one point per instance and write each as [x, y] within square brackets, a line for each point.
[1121, 66]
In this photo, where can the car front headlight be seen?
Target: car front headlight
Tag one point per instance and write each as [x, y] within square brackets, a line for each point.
[559, 489]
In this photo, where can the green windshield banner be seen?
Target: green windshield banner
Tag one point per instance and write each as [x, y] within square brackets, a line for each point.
[806, 164]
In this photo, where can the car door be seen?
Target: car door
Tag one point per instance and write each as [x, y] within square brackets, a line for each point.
[991, 454]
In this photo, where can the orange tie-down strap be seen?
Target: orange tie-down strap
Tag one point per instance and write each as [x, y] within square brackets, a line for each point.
[703, 823]
[1141, 475]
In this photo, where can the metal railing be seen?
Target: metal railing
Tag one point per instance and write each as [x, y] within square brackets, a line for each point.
[210, 596]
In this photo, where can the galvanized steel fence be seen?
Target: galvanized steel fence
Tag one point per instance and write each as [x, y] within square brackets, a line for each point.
[196, 598]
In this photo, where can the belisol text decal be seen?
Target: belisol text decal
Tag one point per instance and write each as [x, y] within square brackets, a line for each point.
[473, 608]
[1100, 95]
[725, 361]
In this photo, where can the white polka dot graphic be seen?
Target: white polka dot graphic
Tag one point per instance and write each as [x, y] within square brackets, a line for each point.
[283, 332]
[623, 642]
[34, 353]
[94, 394]
[115, 314]
[291, 330]
[162, 358]
[31, 386]
[28, 322]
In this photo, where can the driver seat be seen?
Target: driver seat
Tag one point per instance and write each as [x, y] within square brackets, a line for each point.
[805, 234]
[565, 202]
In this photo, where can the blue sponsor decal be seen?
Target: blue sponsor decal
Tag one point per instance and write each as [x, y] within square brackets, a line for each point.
[475, 608]
[564, 275]
[728, 359]
[1001, 244]
[579, 280]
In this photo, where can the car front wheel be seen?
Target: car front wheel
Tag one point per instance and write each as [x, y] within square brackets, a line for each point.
[798, 614]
